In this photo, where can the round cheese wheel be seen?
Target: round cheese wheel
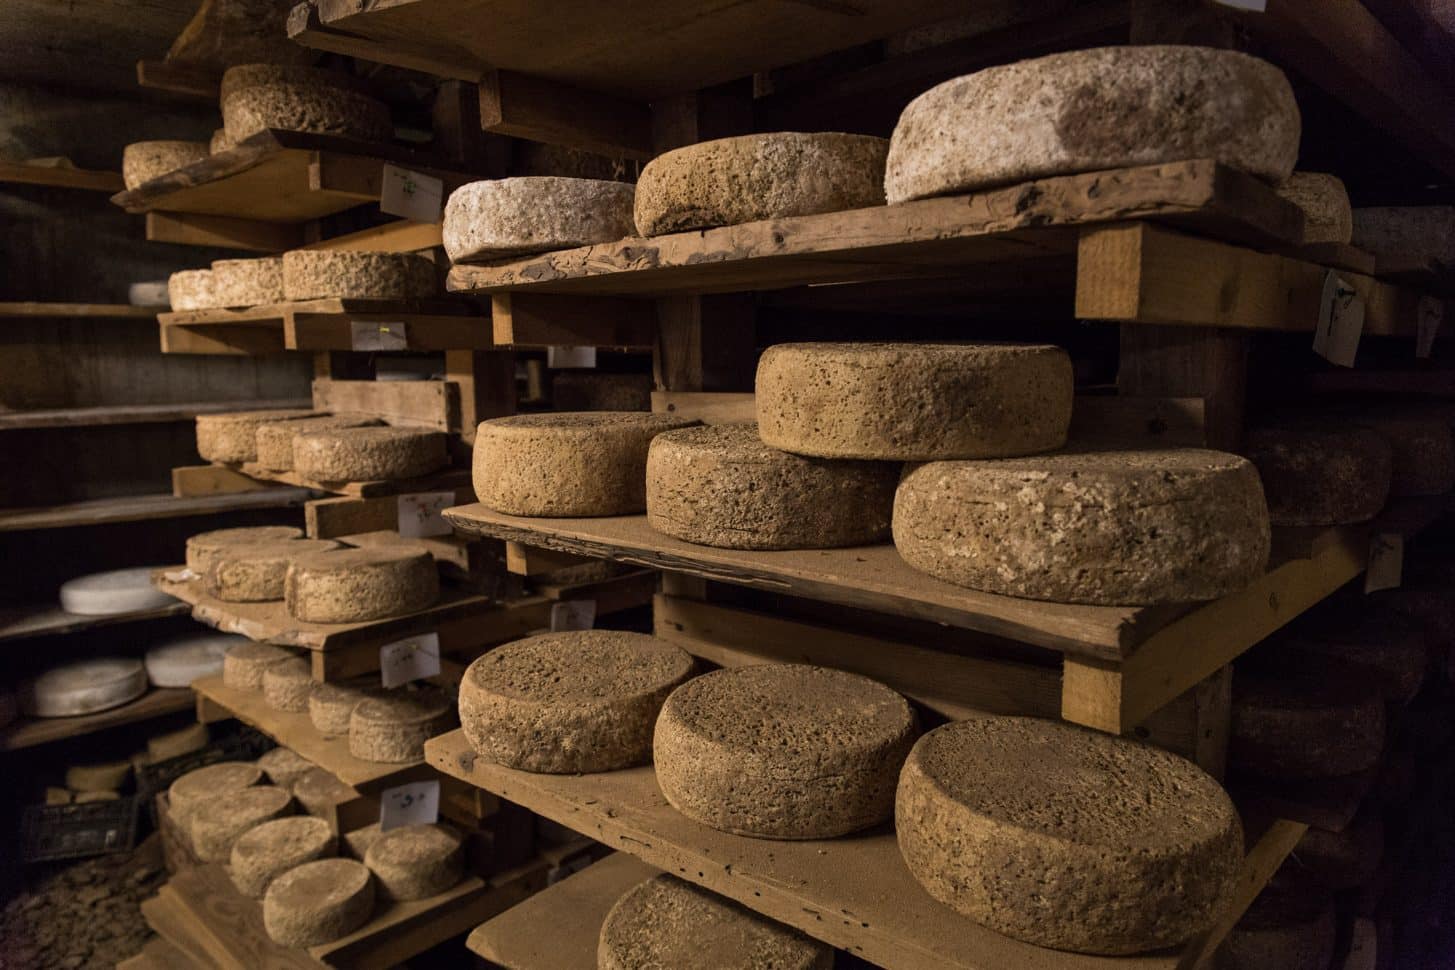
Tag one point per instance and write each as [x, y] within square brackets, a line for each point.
[85, 687]
[393, 729]
[275, 441]
[322, 102]
[1376, 646]
[265, 852]
[914, 402]
[1419, 234]
[191, 289]
[1329, 860]
[233, 437]
[318, 791]
[1320, 474]
[1283, 930]
[318, 902]
[1328, 216]
[514, 216]
[1016, 822]
[113, 592]
[107, 776]
[1089, 110]
[195, 787]
[202, 547]
[248, 282]
[721, 486]
[316, 274]
[151, 293]
[747, 178]
[567, 464]
[143, 161]
[286, 685]
[215, 823]
[219, 142]
[1101, 527]
[353, 585]
[783, 751]
[368, 454]
[331, 705]
[181, 660]
[563, 703]
[357, 841]
[255, 572]
[284, 766]
[174, 744]
[244, 665]
[665, 922]
[593, 391]
[1423, 450]
[1314, 726]
[416, 861]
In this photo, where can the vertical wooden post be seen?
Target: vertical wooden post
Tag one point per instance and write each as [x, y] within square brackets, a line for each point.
[487, 386]
[1205, 362]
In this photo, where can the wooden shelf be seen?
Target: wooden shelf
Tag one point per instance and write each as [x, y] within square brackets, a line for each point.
[157, 702]
[141, 508]
[47, 619]
[330, 324]
[64, 311]
[446, 480]
[60, 178]
[133, 414]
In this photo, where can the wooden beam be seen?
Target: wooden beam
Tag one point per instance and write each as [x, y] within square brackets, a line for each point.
[226, 232]
[423, 404]
[306, 28]
[1203, 364]
[60, 178]
[212, 480]
[349, 176]
[542, 320]
[534, 108]
[523, 560]
[487, 386]
[402, 236]
[240, 339]
[706, 406]
[422, 332]
[192, 82]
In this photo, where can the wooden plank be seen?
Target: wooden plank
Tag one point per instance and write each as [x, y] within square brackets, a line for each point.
[421, 332]
[531, 561]
[131, 414]
[423, 404]
[330, 518]
[524, 106]
[401, 236]
[451, 553]
[191, 480]
[47, 619]
[225, 232]
[1142, 420]
[244, 340]
[19, 173]
[193, 82]
[707, 406]
[78, 311]
[487, 386]
[140, 508]
[611, 595]
[444, 480]
[29, 732]
[537, 320]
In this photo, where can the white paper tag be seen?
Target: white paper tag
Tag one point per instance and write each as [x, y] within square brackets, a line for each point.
[557, 357]
[420, 514]
[368, 335]
[1431, 315]
[412, 658]
[1340, 323]
[573, 615]
[417, 803]
[417, 197]
[1386, 562]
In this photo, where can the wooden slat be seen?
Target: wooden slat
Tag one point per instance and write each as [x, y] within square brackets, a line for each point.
[88, 311]
[138, 508]
[536, 109]
[192, 480]
[526, 320]
[225, 232]
[194, 82]
[330, 518]
[29, 732]
[444, 480]
[19, 173]
[707, 406]
[402, 236]
[422, 332]
[47, 619]
[131, 414]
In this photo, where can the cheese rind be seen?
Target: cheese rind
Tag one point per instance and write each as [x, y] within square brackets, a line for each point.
[331, 705]
[367, 454]
[1423, 449]
[257, 97]
[1308, 727]
[514, 216]
[1328, 216]
[1408, 237]
[143, 161]
[191, 289]
[286, 685]
[195, 787]
[85, 687]
[215, 823]
[181, 660]
[316, 274]
[1320, 474]
[275, 441]
[113, 592]
[393, 729]
[233, 438]
[248, 282]
[318, 902]
[203, 546]
[265, 852]
[243, 666]
[354, 585]
[416, 861]
[255, 572]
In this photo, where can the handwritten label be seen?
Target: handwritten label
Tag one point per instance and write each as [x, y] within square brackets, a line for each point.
[573, 615]
[1341, 322]
[417, 803]
[421, 514]
[559, 357]
[1431, 315]
[412, 195]
[1386, 562]
[369, 335]
[409, 659]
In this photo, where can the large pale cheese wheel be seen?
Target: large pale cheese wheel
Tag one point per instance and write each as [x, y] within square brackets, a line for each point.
[1335, 860]
[331, 705]
[368, 454]
[1408, 237]
[567, 464]
[589, 390]
[315, 274]
[215, 823]
[1102, 527]
[191, 289]
[514, 216]
[248, 282]
[233, 437]
[1088, 110]
[570, 702]
[1320, 474]
[113, 592]
[747, 178]
[666, 922]
[783, 751]
[1286, 931]
[107, 776]
[1327, 215]
[244, 665]
[321, 102]
[275, 441]
[219, 142]
[203, 546]
[85, 687]
[721, 486]
[354, 585]
[318, 902]
[255, 572]
[1312, 726]
[1067, 838]
[174, 744]
[1423, 448]
[286, 685]
[266, 852]
[318, 791]
[196, 787]
[914, 402]
[143, 161]
[1380, 647]
[393, 729]
[181, 660]
[416, 861]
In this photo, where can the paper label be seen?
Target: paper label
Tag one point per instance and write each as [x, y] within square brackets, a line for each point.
[1257, 6]
[573, 615]
[409, 659]
[1431, 315]
[421, 514]
[1340, 323]
[368, 335]
[558, 357]
[1386, 562]
[417, 803]
[412, 195]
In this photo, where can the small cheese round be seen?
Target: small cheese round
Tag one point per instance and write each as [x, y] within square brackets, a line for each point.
[354, 585]
[233, 437]
[255, 572]
[563, 703]
[914, 402]
[393, 729]
[594, 391]
[319, 791]
[1423, 448]
[107, 776]
[316, 274]
[1321, 475]
[266, 852]
[174, 744]
[567, 464]
[284, 766]
[275, 441]
[356, 842]
[1328, 216]
[244, 665]
[515, 216]
[1016, 822]
[318, 902]
[196, 787]
[113, 592]
[666, 922]
[143, 161]
[1089, 110]
[191, 289]
[248, 282]
[1407, 235]
[783, 751]
[368, 454]
[286, 685]
[289, 99]
[203, 546]
[416, 861]
[215, 823]
[748, 178]
[181, 660]
[85, 687]
[1287, 931]
[1314, 726]
[331, 705]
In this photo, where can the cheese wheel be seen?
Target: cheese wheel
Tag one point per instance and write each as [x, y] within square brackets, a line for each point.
[1376, 646]
[567, 464]
[286, 685]
[721, 486]
[275, 441]
[1088, 110]
[114, 592]
[143, 161]
[357, 841]
[1329, 860]
[393, 729]
[174, 744]
[368, 454]
[563, 703]
[353, 585]
[255, 572]
[284, 766]
[233, 437]
[1016, 822]
[914, 402]
[319, 791]
[241, 76]
[248, 282]
[1408, 236]
[1101, 527]
[244, 665]
[195, 787]
[331, 705]
[181, 660]
[107, 776]
[215, 823]
[322, 102]
[191, 289]
[416, 861]
[594, 391]
[1328, 216]
[85, 687]
[748, 178]
[318, 902]
[496, 218]
[316, 274]
[1320, 475]
[1423, 449]
[783, 751]
[202, 547]
[1314, 726]
[265, 852]
[219, 142]
[152, 293]
[1283, 930]
[666, 922]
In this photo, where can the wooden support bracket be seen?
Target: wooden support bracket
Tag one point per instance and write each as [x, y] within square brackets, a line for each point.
[543, 320]
[546, 111]
[193, 229]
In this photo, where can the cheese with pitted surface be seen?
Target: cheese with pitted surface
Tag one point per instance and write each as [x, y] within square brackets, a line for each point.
[286, 685]
[317, 274]
[1327, 215]
[275, 441]
[143, 161]
[257, 97]
[393, 728]
[368, 454]
[318, 902]
[353, 585]
[331, 705]
[255, 572]
[1320, 473]
[284, 766]
[244, 665]
[203, 546]
[191, 289]
[248, 282]
[265, 852]
[496, 218]
[416, 861]
[195, 787]
[215, 823]
[233, 437]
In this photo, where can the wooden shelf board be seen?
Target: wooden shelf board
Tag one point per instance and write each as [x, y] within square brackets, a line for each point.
[448, 479]
[60, 178]
[140, 508]
[109, 311]
[47, 619]
[274, 313]
[133, 414]
[328, 324]
[29, 732]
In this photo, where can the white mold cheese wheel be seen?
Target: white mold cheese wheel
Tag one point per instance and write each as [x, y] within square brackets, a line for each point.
[110, 593]
[1099, 527]
[318, 791]
[1016, 822]
[215, 823]
[248, 282]
[416, 861]
[318, 902]
[203, 546]
[286, 685]
[368, 454]
[255, 572]
[143, 161]
[264, 853]
[275, 441]
[1287, 931]
[721, 486]
[914, 402]
[1310, 726]
[563, 703]
[244, 665]
[1423, 448]
[514, 216]
[331, 705]
[179, 661]
[393, 729]
[258, 97]
[1327, 214]
[666, 922]
[1088, 110]
[316, 274]
[196, 787]
[1409, 237]
[587, 390]
[233, 437]
[783, 751]
[1320, 474]
[354, 585]
[85, 687]
[567, 464]
[748, 178]
[191, 289]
